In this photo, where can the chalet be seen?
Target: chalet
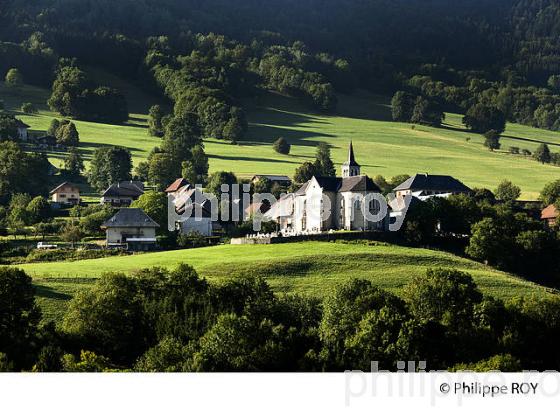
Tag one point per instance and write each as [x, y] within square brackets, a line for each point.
[132, 229]
[22, 128]
[424, 186]
[549, 215]
[66, 194]
[281, 180]
[122, 193]
[305, 211]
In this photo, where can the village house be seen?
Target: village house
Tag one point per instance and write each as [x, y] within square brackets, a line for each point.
[66, 194]
[425, 186]
[549, 215]
[308, 210]
[193, 209]
[22, 128]
[122, 193]
[132, 229]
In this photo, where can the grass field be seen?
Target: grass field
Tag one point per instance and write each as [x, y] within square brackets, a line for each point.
[381, 146]
[311, 268]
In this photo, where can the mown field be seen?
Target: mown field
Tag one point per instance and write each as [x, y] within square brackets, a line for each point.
[311, 268]
[382, 146]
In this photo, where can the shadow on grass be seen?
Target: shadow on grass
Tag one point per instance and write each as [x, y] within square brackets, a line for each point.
[535, 141]
[49, 293]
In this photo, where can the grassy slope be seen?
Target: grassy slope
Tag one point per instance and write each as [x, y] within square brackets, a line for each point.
[382, 146]
[312, 268]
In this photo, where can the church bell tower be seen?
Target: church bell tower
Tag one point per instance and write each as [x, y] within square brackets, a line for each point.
[350, 168]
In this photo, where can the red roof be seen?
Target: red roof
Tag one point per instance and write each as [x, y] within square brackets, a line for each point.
[550, 212]
[175, 186]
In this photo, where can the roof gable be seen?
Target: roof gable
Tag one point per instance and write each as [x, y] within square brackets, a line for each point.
[64, 184]
[177, 184]
[130, 218]
[126, 189]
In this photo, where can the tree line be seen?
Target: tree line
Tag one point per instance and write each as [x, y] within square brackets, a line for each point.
[174, 320]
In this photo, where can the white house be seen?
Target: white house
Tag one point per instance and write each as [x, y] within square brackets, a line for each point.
[131, 228]
[350, 202]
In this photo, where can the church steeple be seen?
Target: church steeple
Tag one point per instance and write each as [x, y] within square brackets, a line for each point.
[350, 168]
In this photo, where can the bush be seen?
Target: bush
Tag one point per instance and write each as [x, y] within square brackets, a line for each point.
[28, 108]
[514, 150]
[281, 146]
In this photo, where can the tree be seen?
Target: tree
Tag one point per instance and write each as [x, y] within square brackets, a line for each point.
[305, 172]
[492, 140]
[343, 312]
[483, 118]
[427, 112]
[281, 146]
[28, 108]
[14, 78]
[182, 134]
[445, 296]
[217, 179]
[21, 172]
[73, 163]
[109, 165]
[38, 210]
[402, 106]
[196, 169]
[67, 134]
[155, 121]
[71, 232]
[19, 315]
[507, 192]
[554, 83]
[8, 128]
[162, 170]
[154, 204]
[323, 162]
[542, 154]
[2, 105]
[550, 194]
[53, 127]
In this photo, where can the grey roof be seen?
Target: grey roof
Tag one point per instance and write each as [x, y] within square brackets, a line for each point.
[21, 124]
[351, 160]
[443, 183]
[359, 183]
[125, 188]
[130, 218]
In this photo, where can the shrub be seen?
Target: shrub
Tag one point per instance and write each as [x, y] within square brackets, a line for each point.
[28, 108]
[281, 146]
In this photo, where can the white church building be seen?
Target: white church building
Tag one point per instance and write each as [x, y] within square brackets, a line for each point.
[332, 203]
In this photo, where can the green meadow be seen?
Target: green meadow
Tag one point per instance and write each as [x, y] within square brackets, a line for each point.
[311, 268]
[381, 146]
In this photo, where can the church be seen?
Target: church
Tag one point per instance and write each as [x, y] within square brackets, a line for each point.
[331, 203]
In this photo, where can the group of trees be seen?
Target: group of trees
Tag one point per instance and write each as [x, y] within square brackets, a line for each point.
[497, 231]
[162, 320]
[75, 95]
[109, 165]
[65, 132]
[407, 107]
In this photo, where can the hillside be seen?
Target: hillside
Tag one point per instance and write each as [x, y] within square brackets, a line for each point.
[312, 268]
[382, 146]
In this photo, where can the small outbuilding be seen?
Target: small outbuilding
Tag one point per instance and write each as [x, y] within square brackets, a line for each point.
[549, 215]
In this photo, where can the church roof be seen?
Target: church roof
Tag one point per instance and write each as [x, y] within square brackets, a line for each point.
[423, 182]
[358, 183]
[351, 160]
